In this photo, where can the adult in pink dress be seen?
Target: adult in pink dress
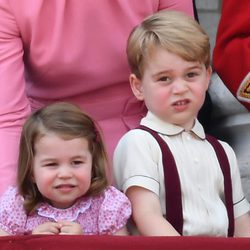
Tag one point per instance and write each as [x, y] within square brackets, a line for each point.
[65, 50]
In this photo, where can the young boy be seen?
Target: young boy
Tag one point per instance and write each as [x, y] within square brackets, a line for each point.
[169, 55]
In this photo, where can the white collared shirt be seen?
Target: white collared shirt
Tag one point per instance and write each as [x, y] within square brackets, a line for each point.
[138, 162]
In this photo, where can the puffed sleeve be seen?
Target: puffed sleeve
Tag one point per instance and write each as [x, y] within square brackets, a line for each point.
[14, 106]
[232, 49]
[12, 214]
[114, 211]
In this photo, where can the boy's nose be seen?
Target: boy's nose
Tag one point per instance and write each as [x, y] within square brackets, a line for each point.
[180, 86]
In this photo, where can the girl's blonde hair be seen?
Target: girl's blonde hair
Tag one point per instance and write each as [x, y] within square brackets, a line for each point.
[171, 30]
[69, 122]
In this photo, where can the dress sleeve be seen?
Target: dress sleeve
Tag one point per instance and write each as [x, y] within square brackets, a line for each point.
[12, 214]
[14, 106]
[185, 6]
[114, 211]
[232, 49]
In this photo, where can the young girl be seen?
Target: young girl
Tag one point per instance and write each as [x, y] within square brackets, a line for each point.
[62, 183]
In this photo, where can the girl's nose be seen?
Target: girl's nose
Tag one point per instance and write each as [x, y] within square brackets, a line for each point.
[64, 172]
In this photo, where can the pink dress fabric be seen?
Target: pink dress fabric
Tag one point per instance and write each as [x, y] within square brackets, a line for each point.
[103, 214]
[64, 50]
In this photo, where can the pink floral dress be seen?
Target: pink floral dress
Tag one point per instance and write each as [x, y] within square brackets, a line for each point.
[102, 214]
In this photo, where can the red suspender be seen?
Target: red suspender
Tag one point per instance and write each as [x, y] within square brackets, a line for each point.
[172, 184]
[173, 187]
[225, 168]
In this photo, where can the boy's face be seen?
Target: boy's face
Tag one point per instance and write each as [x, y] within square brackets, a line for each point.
[173, 89]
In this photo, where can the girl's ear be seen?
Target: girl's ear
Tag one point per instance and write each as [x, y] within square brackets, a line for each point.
[32, 178]
[136, 86]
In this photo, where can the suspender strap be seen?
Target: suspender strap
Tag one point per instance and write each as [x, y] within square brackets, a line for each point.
[173, 187]
[225, 167]
[172, 183]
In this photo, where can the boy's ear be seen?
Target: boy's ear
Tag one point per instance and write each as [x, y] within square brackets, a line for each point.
[209, 74]
[136, 87]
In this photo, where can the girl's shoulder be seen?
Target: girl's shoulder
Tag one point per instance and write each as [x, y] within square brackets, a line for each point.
[112, 200]
[11, 196]
[114, 211]
[12, 214]
[116, 201]
[112, 195]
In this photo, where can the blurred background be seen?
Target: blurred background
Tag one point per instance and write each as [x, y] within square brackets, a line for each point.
[230, 120]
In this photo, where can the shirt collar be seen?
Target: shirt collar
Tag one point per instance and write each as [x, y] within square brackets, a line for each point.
[162, 127]
[70, 214]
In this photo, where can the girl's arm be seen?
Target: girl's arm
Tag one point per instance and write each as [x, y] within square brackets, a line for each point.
[147, 214]
[3, 233]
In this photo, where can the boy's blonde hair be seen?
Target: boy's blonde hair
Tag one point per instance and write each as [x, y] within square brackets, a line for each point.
[69, 122]
[171, 30]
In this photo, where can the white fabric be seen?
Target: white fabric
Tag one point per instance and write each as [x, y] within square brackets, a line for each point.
[138, 162]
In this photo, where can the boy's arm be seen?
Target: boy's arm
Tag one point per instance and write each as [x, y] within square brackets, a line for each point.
[242, 226]
[147, 214]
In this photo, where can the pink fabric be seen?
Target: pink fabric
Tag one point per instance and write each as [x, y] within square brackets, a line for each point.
[72, 51]
[103, 214]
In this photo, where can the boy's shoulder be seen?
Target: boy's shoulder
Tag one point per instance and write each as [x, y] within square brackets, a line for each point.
[135, 136]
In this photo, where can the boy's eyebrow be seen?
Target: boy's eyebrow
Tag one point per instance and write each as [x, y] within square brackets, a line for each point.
[198, 66]
[195, 67]
[162, 72]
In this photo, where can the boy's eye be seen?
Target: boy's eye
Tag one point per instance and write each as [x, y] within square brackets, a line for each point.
[165, 80]
[192, 74]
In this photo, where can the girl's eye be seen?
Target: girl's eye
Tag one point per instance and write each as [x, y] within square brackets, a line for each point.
[77, 163]
[50, 164]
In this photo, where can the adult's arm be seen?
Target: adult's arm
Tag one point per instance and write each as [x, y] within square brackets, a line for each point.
[14, 106]
[231, 54]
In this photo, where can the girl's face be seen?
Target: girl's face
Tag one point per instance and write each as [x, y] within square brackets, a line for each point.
[62, 169]
[172, 88]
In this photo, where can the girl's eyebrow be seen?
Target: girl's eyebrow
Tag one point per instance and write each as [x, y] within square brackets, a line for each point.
[82, 157]
[44, 160]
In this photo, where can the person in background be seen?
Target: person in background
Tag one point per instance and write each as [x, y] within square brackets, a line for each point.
[179, 180]
[73, 51]
[62, 185]
[231, 58]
